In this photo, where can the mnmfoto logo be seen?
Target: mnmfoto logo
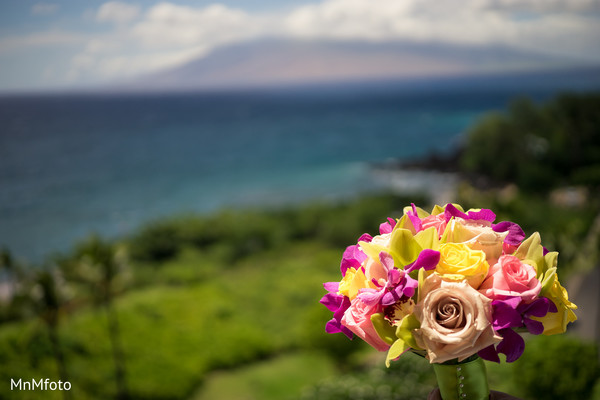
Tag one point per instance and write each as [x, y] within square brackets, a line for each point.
[41, 384]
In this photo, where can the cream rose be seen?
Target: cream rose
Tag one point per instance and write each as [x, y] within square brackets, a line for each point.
[459, 262]
[455, 321]
[478, 236]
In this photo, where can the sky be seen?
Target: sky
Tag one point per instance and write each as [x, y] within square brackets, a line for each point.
[47, 45]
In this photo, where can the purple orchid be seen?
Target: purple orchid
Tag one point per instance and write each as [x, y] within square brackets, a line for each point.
[515, 233]
[481, 215]
[413, 216]
[337, 304]
[513, 313]
[387, 227]
[353, 256]
[427, 259]
[398, 285]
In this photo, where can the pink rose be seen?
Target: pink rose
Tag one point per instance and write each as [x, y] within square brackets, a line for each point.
[357, 318]
[437, 221]
[510, 277]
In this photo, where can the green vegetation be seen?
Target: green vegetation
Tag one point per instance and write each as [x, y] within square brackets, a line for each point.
[213, 321]
[239, 287]
[539, 148]
[570, 230]
[225, 306]
[541, 372]
[282, 377]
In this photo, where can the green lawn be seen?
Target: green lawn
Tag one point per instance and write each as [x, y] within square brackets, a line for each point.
[280, 378]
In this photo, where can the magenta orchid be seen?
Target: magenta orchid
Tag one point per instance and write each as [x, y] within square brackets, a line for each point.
[398, 285]
[514, 313]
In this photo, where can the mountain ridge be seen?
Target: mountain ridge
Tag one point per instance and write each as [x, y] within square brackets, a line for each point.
[277, 62]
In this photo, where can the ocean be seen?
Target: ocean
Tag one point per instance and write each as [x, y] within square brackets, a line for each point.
[76, 164]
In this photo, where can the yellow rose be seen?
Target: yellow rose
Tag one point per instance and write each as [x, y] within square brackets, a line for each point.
[353, 281]
[459, 262]
[556, 322]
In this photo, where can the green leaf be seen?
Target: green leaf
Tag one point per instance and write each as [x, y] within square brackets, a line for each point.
[438, 210]
[459, 233]
[458, 207]
[404, 223]
[396, 350]
[551, 260]
[547, 281]
[444, 238]
[420, 287]
[420, 212]
[404, 330]
[386, 332]
[428, 239]
[372, 250]
[531, 249]
[404, 248]
[531, 242]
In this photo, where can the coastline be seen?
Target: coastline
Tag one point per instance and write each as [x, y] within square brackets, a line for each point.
[435, 175]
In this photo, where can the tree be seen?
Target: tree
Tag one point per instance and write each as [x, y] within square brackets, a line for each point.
[99, 267]
[48, 299]
[539, 147]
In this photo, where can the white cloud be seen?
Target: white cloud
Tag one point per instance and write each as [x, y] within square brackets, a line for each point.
[352, 19]
[164, 35]
[115, 11]
[168, 24]
[548, 25]
[142, 39]
[541, 6]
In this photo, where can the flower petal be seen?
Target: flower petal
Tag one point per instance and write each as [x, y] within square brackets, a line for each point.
[427, 259]
[332, 287]
[537, 308]
[413, 216]
[386, 260]
[370, 296]
[515, 234]
[387, 227]
[512, 345]
[534, 327]
[505, 314]
[332, 301]
[489, 354]
[335, 326]
[481, 215]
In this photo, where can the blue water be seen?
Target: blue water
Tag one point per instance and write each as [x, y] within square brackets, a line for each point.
[71, 165]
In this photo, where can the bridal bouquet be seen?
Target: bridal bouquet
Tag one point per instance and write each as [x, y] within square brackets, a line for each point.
[452, 286]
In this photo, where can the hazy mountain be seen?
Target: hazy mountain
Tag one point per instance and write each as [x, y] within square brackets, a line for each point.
[287, 62]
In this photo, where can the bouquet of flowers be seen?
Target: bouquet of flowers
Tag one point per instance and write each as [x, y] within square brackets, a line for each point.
[452, 286]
